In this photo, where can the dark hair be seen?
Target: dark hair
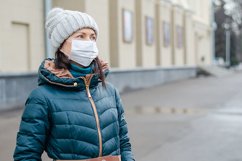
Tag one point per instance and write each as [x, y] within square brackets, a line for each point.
[62, 61]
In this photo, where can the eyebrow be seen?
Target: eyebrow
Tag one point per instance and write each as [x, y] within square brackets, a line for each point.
[79, 32]
[85, 33]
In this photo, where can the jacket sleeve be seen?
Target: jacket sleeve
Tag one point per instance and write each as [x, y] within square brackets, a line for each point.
[125, 146]
[31, 138]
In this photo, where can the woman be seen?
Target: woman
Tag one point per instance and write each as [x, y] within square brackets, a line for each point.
[73, 114]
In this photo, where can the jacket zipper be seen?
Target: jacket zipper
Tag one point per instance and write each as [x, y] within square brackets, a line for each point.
[87, 83]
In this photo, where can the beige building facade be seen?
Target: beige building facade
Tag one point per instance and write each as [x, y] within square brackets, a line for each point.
[165, 34]
[22, 38]
[146, 38]
[122, 34]
[202, 43]
[133, 33]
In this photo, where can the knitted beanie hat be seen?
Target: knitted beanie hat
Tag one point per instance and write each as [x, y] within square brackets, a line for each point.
[60, 24]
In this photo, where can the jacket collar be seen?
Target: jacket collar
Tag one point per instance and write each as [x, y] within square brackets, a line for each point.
[48, 74]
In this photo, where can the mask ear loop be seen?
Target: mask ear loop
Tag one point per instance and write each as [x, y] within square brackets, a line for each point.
[60, 49]
[61, 59]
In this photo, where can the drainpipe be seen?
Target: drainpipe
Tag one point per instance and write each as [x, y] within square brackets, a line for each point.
[228, 46]
[214, 27]
[48, 49]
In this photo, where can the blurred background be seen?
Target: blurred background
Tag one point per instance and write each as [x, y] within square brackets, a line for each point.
[177, 64]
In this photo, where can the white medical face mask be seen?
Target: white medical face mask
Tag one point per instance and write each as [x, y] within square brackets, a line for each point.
[83, 52]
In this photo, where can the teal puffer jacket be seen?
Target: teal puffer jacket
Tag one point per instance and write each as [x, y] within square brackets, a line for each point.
[72, 119]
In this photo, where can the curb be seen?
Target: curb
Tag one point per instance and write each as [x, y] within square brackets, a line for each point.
[165, 110]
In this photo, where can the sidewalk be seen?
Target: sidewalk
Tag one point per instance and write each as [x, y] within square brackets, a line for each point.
[199, 93]
[197, 119]
[208, 131]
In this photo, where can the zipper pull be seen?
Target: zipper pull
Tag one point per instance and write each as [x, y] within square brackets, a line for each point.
[87, 83]
[88, 91]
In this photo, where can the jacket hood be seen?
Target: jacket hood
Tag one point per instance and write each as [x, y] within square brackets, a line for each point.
[48, 74]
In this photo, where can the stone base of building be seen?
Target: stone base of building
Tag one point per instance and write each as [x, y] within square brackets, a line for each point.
[128, 80]
[15, 88]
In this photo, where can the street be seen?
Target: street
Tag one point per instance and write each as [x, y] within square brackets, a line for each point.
[191, 120]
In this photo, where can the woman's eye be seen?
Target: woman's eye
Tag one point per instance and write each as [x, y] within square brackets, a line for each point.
[93, 38]
[81, 36]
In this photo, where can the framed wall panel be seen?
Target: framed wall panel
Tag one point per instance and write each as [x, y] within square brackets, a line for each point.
[179, 37]
[127, 17]
[166, 34]
[149, 28]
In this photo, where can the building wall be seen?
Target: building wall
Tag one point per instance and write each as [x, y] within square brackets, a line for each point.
[113, 35]
[189, 39]
[22, 38]
[146, 37]
[201, 10]
[178, 35]
[22, 33]
[166, 28]
[201, 29]
[203, 44]
[122, 53]
[202, 33]
[70, 4]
